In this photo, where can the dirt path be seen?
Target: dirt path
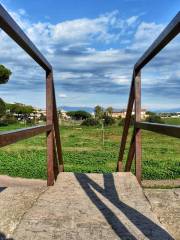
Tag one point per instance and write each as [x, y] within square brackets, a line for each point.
[173, 183]
[6, 181]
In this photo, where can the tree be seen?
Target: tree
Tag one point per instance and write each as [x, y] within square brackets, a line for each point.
[2, 107]
[20, 109]
[99, 112]
[79, 115]
[109, 111]
[150, 113]
[4, 74]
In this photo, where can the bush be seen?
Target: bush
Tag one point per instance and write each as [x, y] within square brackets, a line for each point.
[30, 121]
[10, 119]
[3, 123]
[90, 122]
[108, 120]
[121, 123]
[154, 119]
[7, 119]
[42, 118]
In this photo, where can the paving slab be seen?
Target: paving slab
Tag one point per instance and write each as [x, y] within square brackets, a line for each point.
[92, 206]
[165, 204]
[14, 203]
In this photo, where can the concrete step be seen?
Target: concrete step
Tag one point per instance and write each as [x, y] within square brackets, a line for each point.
[91, 206]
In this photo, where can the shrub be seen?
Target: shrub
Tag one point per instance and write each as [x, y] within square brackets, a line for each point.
[10, 119]
[108, 120]
[30, 121]
[90, 122]
[154, 119]
[121, 123]
[3, 123]
[42, 118]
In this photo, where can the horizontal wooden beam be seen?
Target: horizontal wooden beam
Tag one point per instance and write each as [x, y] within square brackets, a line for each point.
[9, 137]
[169, 130]
[164, 38]
[16, 33]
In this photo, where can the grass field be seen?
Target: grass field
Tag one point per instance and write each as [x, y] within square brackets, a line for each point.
[83, 152]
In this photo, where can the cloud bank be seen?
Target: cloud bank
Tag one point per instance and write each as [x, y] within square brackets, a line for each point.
[92, 59]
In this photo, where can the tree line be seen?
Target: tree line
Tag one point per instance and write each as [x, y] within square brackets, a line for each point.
[104, 116]
[12, 112]
[101, 115]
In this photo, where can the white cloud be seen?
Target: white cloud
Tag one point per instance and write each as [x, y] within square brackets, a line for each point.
[62, 95]
[148, 30]
[22, 11]
[132, 20]
[79, 65]
[146, 33]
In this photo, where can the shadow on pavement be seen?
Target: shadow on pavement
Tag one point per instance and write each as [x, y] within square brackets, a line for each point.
[3, 237]
[150, 229]
[2, 189]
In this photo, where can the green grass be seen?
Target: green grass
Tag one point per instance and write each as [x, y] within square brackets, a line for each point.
[83, 152]
[173, 121]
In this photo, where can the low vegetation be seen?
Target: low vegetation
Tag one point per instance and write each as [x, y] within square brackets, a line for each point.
[90, 122]
[83, 147]
[83, 151]
[154, 118]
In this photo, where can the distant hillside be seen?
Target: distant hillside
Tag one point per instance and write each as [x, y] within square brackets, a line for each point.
[69, 108]
[172, 110]
[91, 109]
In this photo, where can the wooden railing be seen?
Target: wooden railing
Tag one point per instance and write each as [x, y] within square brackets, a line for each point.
[54, 151]
[172, 30]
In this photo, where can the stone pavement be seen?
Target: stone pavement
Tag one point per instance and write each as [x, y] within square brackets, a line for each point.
[14, 203]
[89, 206]
[165, 204]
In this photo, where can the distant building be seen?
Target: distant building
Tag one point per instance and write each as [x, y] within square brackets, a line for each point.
[63, 115]
[122, 113]
[39, 112]
[178, 114]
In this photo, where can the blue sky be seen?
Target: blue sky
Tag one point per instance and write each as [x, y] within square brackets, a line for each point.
[92, 46]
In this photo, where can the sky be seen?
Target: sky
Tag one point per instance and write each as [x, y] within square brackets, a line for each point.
[92, 46]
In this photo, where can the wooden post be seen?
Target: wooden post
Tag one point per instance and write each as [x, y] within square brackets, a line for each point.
[138, 151]
[130, 153]
[126, 127]
[57, 134]
[55, 163]
[49, 120]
